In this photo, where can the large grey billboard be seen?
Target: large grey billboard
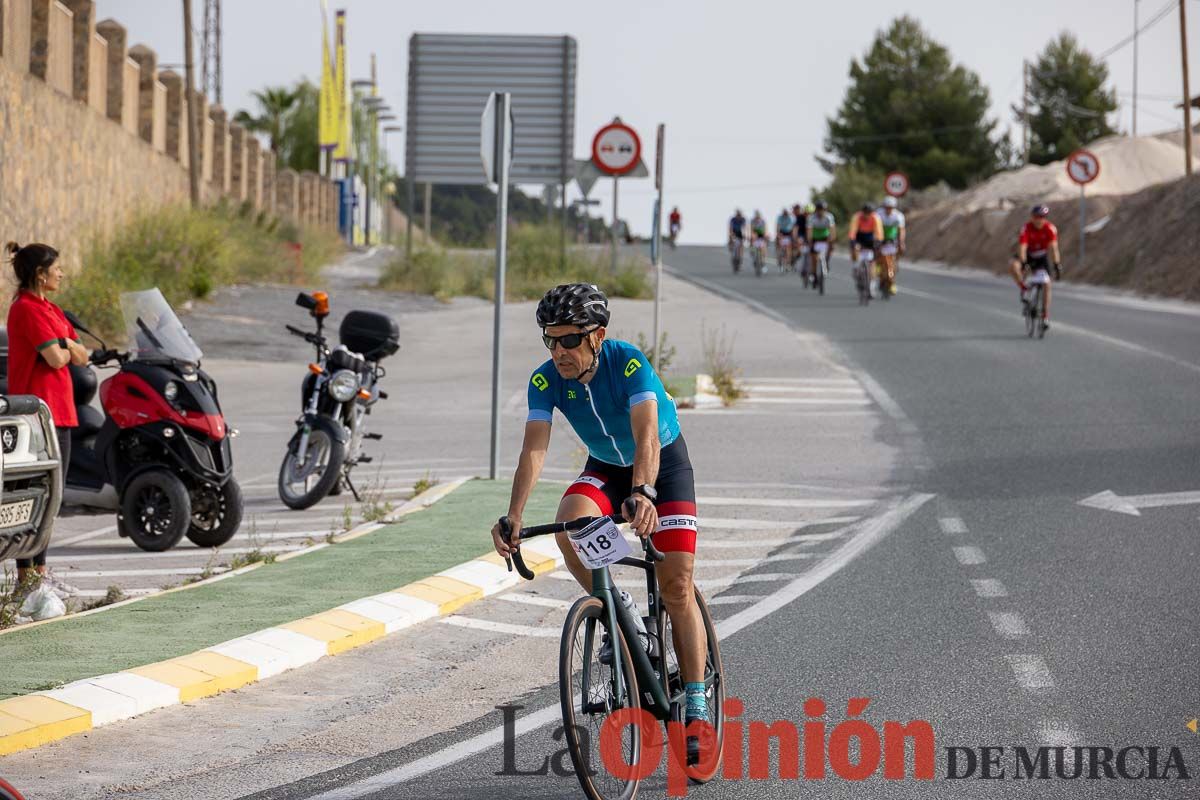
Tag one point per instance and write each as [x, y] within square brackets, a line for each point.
[449, 79]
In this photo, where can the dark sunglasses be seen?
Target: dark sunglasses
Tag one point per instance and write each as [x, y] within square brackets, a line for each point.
[568, 342]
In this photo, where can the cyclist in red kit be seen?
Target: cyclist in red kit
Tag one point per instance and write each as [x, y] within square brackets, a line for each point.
[1037, 249]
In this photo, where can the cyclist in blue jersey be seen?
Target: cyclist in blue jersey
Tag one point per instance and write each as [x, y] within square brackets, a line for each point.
[616, 403]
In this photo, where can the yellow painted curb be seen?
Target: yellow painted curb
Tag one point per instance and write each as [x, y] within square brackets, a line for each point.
[191, 683]
[448, 594]
[339, 629]
[36, 719]
[229, 672]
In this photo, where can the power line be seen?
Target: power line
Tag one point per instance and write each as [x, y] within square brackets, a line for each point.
[1158, 17]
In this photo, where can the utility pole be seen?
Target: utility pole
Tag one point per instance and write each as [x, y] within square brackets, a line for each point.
[1187, 95]
[210, 68]
[1135, 64]
[190, 78]
[1025, 110]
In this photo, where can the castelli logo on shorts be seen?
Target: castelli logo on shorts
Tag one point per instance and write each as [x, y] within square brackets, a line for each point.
[633, 366]
[677, 521]
[539, 380]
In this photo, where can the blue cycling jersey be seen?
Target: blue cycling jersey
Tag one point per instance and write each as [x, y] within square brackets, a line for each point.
[599, 410]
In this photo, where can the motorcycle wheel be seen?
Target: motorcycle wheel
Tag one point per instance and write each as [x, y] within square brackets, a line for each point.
[321, 470]
[216, 514]
[156, 510]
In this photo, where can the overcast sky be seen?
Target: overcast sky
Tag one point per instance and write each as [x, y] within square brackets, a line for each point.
[712, 71]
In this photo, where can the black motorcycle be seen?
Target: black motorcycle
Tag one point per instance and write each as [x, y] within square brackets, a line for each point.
[337, 395]
[159, 455]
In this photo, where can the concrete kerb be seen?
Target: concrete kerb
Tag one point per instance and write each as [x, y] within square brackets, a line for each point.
[42, 717]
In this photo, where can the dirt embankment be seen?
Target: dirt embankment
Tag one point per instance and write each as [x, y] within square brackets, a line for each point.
[1150, 242]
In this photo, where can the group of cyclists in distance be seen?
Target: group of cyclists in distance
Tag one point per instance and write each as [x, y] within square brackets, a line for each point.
[805, 236]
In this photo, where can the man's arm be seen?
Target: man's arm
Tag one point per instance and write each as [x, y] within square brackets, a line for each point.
[1023, 252]
[643, 418]
[1057, 254]
[529, 469]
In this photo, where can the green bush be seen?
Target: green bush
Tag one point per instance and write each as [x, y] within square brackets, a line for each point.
[187, 254]
[533, 266]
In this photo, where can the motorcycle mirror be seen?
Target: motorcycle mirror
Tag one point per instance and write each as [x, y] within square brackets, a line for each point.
[73, 318]
[306, 301]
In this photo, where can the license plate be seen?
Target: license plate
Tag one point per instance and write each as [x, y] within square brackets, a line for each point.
[16, 513]
[600, 544]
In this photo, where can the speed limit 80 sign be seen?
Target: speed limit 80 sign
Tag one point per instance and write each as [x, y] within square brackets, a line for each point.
[896, 184]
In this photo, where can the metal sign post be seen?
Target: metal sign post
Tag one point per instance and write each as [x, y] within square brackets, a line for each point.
[496, 140]
[1083, 167]
[658, 184]
[615, 224]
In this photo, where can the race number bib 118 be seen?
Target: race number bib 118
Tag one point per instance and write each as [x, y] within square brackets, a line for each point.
[600, 544]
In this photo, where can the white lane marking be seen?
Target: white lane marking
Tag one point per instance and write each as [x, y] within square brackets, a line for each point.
[152, 558]
[776, 413]
[873, 530]
[735, 544]
[1008, 624]
[750, 562]
[83, 537]
[1031, 672]
[808, 401]
[130, 573]
[969, 556]
[1109, 501]
[1057, 733]
[732, 599]
[729, 580]
[732, 524]
[535, 600]
[801, 381]
[1059, 325]
[783, 502]
[989, 587]
[501, 627]
[952, 525]
[798, 389]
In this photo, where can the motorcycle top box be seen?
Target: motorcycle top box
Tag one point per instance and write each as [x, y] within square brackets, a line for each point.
[370, 333]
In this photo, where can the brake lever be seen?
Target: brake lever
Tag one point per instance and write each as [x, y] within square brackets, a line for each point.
[628, 509]
[506, 532]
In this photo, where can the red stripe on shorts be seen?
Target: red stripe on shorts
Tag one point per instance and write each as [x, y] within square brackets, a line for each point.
[676, 540]
[592, 493]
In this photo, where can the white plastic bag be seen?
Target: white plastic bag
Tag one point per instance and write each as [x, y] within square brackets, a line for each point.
[42, 603]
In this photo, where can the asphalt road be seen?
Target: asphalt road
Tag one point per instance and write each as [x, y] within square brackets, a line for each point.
[997, 607]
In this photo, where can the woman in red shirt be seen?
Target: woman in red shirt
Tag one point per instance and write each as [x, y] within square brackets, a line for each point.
[41, 343]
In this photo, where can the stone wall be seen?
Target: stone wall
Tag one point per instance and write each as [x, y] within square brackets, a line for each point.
[91, 132]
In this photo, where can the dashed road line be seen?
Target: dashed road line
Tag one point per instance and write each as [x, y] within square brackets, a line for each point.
[501, 627]
[952, 525]
[1031, 671]
[1008, 624]
[784, 502]
[731, 599]
[535, 600]
[969, 556]
[1057, 733]
[989, 587]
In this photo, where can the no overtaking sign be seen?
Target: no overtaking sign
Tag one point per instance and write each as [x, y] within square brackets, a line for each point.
[616, 149]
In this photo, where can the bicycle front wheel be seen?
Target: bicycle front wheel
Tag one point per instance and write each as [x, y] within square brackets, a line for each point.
[588, 697]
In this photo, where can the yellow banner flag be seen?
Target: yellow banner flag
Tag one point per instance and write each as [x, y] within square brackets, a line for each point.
[341, 151]
[327, 114]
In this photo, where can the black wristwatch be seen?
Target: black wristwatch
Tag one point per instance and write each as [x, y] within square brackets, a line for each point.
[62, 342]
[647, 491]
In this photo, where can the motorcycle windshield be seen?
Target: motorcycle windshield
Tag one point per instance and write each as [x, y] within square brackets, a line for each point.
[154, 332]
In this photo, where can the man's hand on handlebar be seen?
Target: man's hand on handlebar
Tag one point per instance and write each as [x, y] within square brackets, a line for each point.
[645, 517]
[506, 550]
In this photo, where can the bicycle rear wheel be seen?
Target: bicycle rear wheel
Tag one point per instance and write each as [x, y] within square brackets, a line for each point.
[713, 676]
[588, 700]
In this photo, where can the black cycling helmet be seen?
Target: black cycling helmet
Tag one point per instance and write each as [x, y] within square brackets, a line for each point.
[867, 208]
[822, 205]
[1040, 210]
[581, 304]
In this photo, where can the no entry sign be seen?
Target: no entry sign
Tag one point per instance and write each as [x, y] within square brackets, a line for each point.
[616, 148]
